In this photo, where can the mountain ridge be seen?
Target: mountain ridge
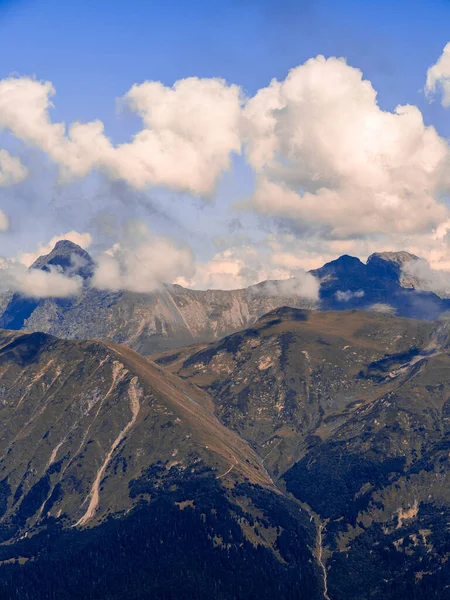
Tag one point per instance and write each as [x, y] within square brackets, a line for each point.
[350, 413]
[173, 316]
[311, 448]
[102, 451]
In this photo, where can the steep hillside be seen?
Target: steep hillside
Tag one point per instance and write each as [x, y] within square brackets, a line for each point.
[349, 412]
[298, 372]
[305, 457]
[71, 407]
[104, 457]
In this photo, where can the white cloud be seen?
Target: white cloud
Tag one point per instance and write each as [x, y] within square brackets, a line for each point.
[140, 262]
[327, 156]
[438, 77]
[302, 284]
[243, 266]
[34, 283]
[420, 274]
[230, 269]
[189, 132]
[82, 239]
[348, 295]
[382, 308]
[11, 169]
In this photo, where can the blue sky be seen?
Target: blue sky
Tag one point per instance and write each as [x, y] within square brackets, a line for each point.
[93, 52]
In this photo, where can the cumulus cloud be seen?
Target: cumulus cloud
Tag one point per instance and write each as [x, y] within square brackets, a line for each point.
[380, 307]
[328, 161]
[420, 274]
[189, 131]
[244, 266]
[11, 169]
[141, 262]
[326, 155]
[82, 239]
[303, 285]
[348, 295]
[34, 283]
[232, 268]
[438, 77]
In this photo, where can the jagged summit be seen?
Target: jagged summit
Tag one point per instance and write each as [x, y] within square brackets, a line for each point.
[351, 265]
[395, 261]
[389, 264]
[399, 258]
[69, 257]
[343, 265]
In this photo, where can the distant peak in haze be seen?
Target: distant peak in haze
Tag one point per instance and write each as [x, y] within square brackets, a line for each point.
[398, 258]
[68, 256]
[392, 262]
[345, 264]
[63, 245]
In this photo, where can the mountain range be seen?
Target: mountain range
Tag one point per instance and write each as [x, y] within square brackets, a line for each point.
[266, 451]
[304, 457]
[173, 316]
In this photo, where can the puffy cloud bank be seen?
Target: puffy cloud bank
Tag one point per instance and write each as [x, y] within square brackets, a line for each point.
[316, 139]
[11, 169]
[243, 266]
[34, 283]
[424, 277]
[188, 134]
[141, 262]
[328, 162]
[326, 155]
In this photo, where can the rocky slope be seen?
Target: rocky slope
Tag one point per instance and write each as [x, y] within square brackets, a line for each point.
[91, 430]
[170, 317]
[305, 457]
[66, 403]
[349, 413]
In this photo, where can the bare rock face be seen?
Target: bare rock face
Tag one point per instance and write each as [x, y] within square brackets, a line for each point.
[170, 317]
[395, 262]
[68, 257]
[396, 259]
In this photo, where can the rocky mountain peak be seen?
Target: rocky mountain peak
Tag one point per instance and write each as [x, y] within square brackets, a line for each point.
[389, 264]
[395, 258]
[344, 265]
[68, 256]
